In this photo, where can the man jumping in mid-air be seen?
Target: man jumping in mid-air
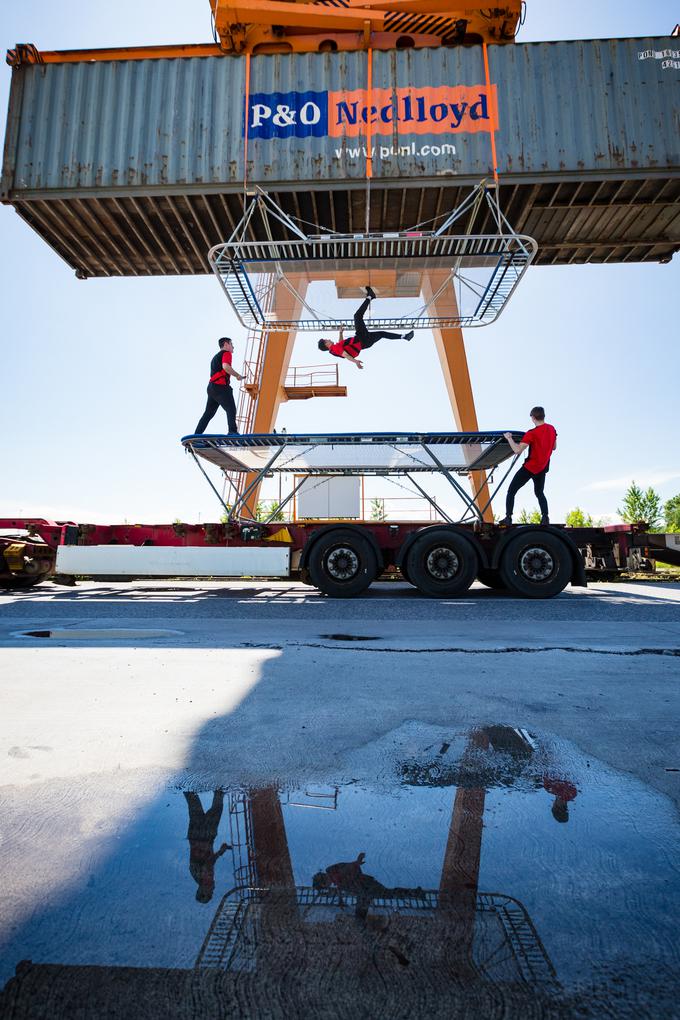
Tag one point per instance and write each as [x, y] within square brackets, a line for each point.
[363, 339]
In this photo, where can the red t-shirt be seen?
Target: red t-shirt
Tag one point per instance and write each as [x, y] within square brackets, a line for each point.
[541, 442]
[217, 374]
[561, 788]
[351, 345]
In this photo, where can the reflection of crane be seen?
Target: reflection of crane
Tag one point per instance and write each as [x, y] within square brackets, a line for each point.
[303, 26]
[466, 934]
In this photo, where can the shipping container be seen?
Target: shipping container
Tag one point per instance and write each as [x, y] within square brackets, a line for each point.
[137, 166]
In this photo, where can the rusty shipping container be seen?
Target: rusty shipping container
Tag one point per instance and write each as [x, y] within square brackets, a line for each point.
[137, 166]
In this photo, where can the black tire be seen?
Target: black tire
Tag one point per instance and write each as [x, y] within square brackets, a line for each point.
[342, 564]
[441, 562]
[536, 564]
[304, 576]
[491, 578]
[404, 571]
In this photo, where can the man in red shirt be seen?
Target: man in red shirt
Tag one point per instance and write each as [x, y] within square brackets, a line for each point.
[347, 877]
[219, 388]
[354, 345]
[563, 791]
[541, 441]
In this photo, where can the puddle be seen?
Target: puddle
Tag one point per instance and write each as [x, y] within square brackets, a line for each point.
[97, 634]
[348, 637]
[492, 873]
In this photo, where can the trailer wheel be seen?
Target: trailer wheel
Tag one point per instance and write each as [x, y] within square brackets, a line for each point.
[304, 576]
[536, 564]
[441, 562]
[404, 571]
[491, 578]
[342, 564]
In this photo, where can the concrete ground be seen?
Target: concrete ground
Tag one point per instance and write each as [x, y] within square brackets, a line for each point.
[148, 686]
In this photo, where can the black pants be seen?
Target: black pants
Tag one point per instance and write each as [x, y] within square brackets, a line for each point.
[204, 824]
[218, 396]
[521, 478]
[368, 337]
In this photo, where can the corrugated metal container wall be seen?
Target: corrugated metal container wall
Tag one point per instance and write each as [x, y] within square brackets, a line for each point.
[566, 107]
[593, 106]
[137, 124]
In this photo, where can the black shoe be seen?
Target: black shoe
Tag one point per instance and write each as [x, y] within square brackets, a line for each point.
[545, 520]
[234, 433]
[409, 335]
[506, 522]
[370, 293]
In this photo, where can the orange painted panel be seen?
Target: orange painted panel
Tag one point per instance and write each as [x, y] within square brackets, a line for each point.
[447, 109]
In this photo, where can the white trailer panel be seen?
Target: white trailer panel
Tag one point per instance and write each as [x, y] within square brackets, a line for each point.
[173, 561]
[331, 497]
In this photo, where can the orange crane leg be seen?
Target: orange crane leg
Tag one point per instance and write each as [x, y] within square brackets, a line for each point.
[451, 349]
[460, 868]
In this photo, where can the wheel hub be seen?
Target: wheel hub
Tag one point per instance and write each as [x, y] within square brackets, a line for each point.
[342, 563]
[442, 563]
[536, 564]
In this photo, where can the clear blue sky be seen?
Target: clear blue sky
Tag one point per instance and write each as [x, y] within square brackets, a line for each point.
[101, 378]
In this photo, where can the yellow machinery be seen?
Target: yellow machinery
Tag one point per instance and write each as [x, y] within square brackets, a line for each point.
[286, 26]
[312, 26]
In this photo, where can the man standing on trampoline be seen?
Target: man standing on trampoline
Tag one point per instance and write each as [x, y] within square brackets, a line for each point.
[541, 441]
[219, 388]
[363, 339]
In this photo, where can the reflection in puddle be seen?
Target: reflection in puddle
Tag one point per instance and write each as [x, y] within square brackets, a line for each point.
[488, 873]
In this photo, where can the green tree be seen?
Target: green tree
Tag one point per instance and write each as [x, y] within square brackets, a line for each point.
[276, 511]
[576, 518]
[378, 512]
[641, 506]
[529, 518]
[671, 512]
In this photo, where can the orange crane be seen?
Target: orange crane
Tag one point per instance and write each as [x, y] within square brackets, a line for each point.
[313, 26]
[284, 26]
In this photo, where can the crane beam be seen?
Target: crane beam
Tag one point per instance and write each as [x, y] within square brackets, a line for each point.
[293, 15]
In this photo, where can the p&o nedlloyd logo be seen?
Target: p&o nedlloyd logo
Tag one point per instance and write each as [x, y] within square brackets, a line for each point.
[443, 110]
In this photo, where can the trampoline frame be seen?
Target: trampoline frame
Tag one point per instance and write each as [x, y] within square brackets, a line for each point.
[510, 255]
[215, 448]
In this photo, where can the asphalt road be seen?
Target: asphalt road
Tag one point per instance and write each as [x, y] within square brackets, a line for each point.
[139, 692]
[288, 602]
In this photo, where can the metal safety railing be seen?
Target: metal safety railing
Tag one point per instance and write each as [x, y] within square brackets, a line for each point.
[313, 375]
[397, 508]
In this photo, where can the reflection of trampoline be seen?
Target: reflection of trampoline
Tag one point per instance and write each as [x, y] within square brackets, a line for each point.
[457, 279]
[251, 923]
[506, 758]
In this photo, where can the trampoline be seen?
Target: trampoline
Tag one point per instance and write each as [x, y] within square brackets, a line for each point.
[458, 279]
[402, 454]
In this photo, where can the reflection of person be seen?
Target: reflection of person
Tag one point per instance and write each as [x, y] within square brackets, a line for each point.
[363, 339]
[347, 877]
[541, 441]
[202, 834]
[563, 791]
[219, 388]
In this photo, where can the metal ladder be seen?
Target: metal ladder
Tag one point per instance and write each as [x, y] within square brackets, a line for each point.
[253, 369]
[531, 958]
